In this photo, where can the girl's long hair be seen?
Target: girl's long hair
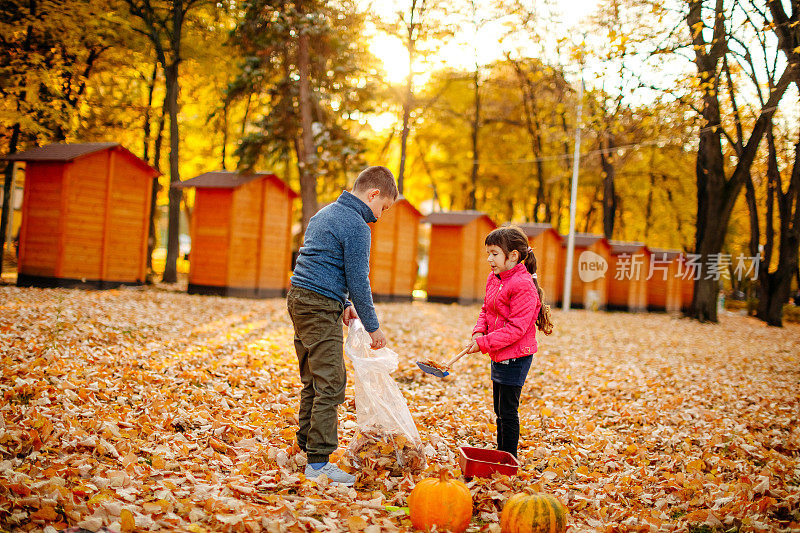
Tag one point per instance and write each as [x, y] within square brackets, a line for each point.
[509, 239]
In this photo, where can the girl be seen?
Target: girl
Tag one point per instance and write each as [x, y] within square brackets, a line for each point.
[506, 328]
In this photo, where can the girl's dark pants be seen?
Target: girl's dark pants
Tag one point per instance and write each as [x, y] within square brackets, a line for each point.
[318, 341]
[506, 407]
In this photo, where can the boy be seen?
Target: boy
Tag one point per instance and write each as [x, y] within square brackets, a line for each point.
[332, 265]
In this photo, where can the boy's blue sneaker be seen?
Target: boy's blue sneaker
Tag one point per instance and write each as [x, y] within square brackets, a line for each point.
[333, 473]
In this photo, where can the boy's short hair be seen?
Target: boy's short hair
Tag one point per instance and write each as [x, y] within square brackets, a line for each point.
[377, 177]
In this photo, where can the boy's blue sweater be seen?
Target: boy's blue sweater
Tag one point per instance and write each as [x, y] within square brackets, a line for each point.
[334, 258]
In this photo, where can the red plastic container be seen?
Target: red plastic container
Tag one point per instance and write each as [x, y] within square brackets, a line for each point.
[483, 463]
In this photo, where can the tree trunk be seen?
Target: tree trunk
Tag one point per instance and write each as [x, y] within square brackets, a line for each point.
[408, 100]
[710, 233]
[308, 178]
[752, 208]
[648, 210]
[609, 192]
[151, 233]
[175, 195]
[541, 195]
[471, 201]
[152, 239]
[776, 286]
[716, 194]
[541, 208]
[7, 200]
[224, 133]
[404, 135]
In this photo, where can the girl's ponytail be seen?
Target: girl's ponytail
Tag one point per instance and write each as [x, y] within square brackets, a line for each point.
[544, 321]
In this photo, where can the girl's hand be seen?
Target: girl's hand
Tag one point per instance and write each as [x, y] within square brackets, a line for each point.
[473, 347]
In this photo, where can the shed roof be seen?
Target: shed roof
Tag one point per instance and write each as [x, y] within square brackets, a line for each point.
[621, 247]
[534, 229]
[227, 179]
[583, 240]
[60, 152]
[66, 152]
[455, 218]
[666, 253]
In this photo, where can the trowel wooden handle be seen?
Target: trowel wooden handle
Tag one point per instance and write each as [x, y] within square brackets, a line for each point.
[456, 358]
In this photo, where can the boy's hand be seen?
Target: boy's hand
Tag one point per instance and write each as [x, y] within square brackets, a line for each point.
[349, 314]
[378, 339]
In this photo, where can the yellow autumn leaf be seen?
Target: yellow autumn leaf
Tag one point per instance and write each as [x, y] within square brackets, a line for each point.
[126, 521]
[356, 523]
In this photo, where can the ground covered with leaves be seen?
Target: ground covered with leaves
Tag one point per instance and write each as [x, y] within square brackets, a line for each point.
[148, 409]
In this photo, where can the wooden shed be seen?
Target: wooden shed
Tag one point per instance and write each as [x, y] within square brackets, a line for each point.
[85, 216]
[241, 234]
[393, 258]
[457, 267]
[664, 285]
[627, 276]
[546, 244]
[590, 262]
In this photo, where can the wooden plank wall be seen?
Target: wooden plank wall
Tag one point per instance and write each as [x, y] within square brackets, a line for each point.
[470, 258]
[245, 235]
[444, 261]
[382, 252]
[127, 222]
[276, 248]
[406, 238]
[483, 228]
[210, 237]
[579, 292]
[641, 296]
[86, 207]
[41, 215]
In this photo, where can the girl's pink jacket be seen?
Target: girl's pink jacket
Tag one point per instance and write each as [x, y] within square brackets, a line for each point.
[508, 315]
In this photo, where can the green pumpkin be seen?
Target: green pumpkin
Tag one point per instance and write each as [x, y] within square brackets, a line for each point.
[533, 513]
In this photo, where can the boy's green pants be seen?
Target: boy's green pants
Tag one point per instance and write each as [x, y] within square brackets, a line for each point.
[318, 341]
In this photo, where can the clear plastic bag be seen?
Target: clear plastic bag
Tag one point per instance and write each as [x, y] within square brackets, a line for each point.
[387, 436]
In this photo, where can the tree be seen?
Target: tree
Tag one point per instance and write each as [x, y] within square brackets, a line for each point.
[48, 52]
[759, 65]
[421, 27]
[710, 30]
[303, 59]
[164, 26]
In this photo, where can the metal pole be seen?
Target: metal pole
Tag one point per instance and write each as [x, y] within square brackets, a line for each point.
[573, 201]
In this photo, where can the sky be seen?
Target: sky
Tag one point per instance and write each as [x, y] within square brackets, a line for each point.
[458, 53]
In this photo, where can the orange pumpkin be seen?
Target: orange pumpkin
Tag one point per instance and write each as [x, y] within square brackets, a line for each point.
[444, 502]
[533, 513]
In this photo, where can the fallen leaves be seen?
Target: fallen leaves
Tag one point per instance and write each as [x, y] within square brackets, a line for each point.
[149, 410]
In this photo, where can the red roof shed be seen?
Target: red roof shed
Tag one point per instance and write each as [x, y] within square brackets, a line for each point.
[85, 216]
[457, 267]
[241, 234]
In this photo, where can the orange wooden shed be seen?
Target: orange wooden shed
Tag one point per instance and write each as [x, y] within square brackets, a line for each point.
[628, 273]
[241, 234]
[393, 255]
[664, 285]
[590, 271]
[85, 216]
[546, 244]
[457, 267]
